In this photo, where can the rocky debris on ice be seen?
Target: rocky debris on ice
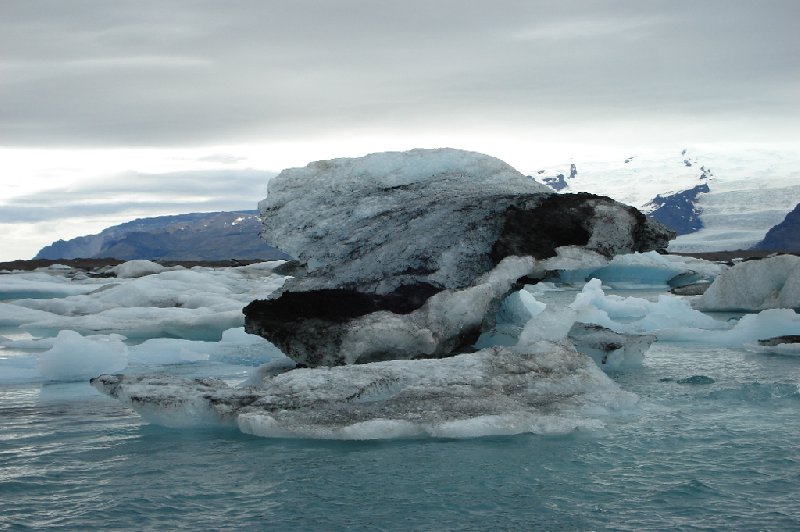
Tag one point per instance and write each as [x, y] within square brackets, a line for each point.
[694, 289]
[773, 282]
[381, 235]
[449, 321]
[550, 389]
[787, 344]
[785, 339]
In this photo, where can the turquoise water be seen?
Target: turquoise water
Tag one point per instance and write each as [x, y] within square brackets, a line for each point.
[715, 456]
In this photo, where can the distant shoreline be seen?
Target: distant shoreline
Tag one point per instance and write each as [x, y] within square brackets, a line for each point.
[89, 264]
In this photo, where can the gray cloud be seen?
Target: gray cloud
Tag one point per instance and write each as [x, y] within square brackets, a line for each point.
[142, 195]
[96, 73]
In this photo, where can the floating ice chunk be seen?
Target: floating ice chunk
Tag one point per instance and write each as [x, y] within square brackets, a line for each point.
[609, 349]
[12, 315]
[169, 351]
[39, 285]
[551, 325]
[636, 315]
[641, 269]
[493, 391]
[74, 357]
[773, 282]
[140, 323]
[28, 344]
[748, 330]
[654, 269]
[542, 287]
[137, 268]
[197, 304]
[175, 402]
[235, 347]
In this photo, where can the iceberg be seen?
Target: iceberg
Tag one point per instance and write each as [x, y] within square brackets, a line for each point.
[137, 268]
[746, 332]
[551, 389]
[74, 357]
[380, 237]
[773, 282]
[633, 315]
[235, 347]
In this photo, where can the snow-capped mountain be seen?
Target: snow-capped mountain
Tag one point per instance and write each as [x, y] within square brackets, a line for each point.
[195, 236]
[716, 199]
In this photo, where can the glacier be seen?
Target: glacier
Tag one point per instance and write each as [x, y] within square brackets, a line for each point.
[750, 189]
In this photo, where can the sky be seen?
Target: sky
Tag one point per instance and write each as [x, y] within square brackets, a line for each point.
[115, 110]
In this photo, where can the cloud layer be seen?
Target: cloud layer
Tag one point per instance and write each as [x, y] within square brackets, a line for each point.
[141, 195]
[96, 73]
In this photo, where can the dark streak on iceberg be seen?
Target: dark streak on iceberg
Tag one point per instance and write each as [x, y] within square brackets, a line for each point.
[424, 226]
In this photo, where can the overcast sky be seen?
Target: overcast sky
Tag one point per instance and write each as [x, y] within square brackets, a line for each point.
[114, 109]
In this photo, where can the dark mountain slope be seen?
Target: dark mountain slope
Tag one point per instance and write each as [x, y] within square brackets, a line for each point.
[195, 236]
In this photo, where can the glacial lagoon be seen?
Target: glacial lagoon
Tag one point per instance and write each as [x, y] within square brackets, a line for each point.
[718, 452]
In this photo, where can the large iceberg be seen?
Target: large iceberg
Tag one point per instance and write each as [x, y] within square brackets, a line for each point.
[404, 261]
[389, 239]
[773, 282]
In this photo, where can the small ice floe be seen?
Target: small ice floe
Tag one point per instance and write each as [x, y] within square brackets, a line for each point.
[74, 357]
[133, 269]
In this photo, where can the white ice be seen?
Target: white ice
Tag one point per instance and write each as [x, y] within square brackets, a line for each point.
[635, 315]
[42, 284]
[752, 189]
[235, 347]
[137, 268]
[197, 304]
[773, 282]
[549, 389]
[634, 270]
[74, 357]
[748, 330]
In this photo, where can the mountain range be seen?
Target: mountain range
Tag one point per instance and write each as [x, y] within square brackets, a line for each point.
[195, 236]
[716, 199]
